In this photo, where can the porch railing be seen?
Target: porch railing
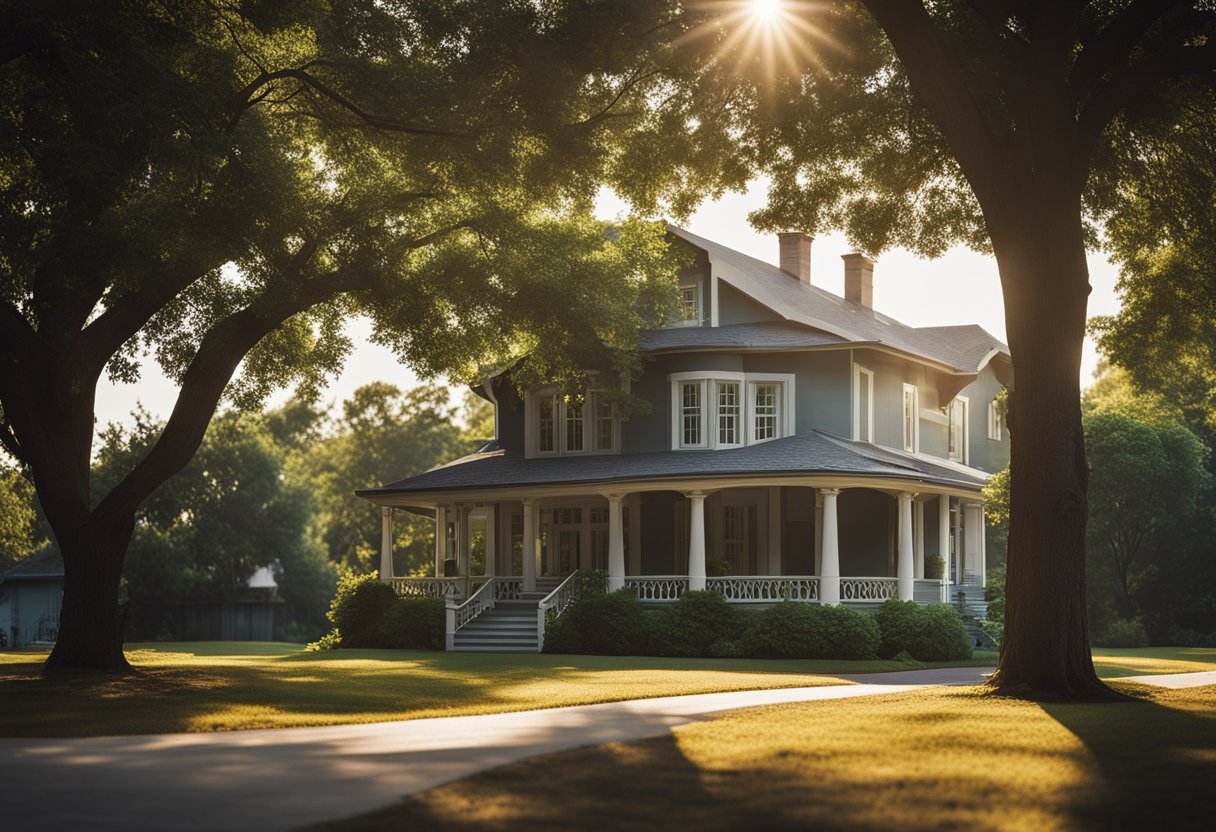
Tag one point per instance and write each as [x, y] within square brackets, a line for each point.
[868, 589]
[458, 615]
[556, 602]
[765, 588]
[508, 589]
[459, 587]
[658, 587]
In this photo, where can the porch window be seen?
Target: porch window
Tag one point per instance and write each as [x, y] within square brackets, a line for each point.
[995, 425]
[958, 430]
[911, 414]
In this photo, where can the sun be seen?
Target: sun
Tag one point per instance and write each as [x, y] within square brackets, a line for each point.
[765, 37]
[766, 11]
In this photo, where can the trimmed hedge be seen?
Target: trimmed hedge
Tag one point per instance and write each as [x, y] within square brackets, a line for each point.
[700, 625]
[793, 630]
[602, 625]
[928, 633]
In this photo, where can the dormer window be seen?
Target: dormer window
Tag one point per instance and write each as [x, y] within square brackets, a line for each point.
[729, 410]
[570, 425]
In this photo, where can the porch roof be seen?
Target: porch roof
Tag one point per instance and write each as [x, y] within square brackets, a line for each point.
[813, 453]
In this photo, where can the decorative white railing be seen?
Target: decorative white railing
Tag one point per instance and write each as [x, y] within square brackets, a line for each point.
[658, 587]
[430, 587]
[508, 589]
[458, 615]
[563, 596]
[765, 588]
[868, 589]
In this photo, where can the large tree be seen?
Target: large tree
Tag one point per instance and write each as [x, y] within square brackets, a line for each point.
[220, 183]
[1009, 125]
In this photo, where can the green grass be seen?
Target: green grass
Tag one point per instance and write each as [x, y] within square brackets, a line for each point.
[939, 758]
[223, 686]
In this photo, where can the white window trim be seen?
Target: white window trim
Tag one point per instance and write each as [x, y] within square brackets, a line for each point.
[700, 305]
[995, 423]
[709, 406]
[966, 429]
[532, 425]
[863, 376]
[903, 418]
[741, 426]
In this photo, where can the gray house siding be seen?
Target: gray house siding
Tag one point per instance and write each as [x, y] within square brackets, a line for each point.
[986, 454]
[734, 307]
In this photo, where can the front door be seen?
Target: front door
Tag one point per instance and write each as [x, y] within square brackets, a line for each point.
[567, 551]
[561, 541]
[739, 538]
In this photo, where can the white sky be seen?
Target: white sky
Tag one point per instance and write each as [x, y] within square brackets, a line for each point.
[961, 287]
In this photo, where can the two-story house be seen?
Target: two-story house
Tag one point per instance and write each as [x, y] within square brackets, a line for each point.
[797, 445]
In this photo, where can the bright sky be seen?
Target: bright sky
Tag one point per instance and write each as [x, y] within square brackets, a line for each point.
[959, 288]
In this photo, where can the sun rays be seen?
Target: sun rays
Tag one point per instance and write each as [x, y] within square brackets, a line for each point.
[766, 37]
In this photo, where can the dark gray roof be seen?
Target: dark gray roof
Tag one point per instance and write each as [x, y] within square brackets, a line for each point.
[807, 453]
[45, 564]
[767, 335]
[963, 348]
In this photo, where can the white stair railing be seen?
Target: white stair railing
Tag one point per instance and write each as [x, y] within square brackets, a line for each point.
[457, 615]
[563, 596]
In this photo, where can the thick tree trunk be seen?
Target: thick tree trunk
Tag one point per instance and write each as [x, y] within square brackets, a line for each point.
[90, 627]
[1045, 651]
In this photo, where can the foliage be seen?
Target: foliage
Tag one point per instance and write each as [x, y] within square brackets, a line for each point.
[18, 517]
[202, 535]
[928, 632]
[360, 609]
[783, 631]
[935, 566]
[591, 583]
[603, 624]
[383, 432]
[414, 624]
[717, 567]
[1123, 632]
[694, 624]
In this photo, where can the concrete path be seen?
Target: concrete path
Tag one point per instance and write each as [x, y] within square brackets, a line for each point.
[287, 778]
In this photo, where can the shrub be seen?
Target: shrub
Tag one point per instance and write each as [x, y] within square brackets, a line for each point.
[610, 624]
[359, 609]
[1123, 632]
[929, 633]
[934, 566]
[717, 567]
[591, 583]
[414, 624]
[793, 630]
[690, 626]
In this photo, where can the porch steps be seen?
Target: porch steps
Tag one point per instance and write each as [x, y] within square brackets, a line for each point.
[508, 628]
[973, 608]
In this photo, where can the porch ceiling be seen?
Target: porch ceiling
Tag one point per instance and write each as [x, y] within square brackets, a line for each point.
[807, 454]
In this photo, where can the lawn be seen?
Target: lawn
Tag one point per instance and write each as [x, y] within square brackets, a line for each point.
[221, 686]
[939, 758]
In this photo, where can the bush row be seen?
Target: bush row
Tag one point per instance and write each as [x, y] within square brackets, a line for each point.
[368, 613]
[704, 624]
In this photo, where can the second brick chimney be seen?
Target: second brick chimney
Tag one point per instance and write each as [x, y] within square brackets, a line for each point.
[796, 255]
[859, 279]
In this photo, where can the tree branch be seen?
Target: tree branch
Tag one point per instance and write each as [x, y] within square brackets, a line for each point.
[1111, 48]
[938, 80]
[17, 337]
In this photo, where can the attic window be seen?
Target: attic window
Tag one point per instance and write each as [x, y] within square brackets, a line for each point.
[690, 304]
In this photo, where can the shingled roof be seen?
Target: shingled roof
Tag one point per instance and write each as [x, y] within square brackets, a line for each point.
[964, 349]
[815, 452]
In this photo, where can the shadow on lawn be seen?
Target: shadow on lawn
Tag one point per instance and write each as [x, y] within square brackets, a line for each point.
[1155, 758]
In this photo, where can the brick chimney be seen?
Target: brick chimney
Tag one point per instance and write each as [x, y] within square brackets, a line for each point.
[859, 279]
[796, 255]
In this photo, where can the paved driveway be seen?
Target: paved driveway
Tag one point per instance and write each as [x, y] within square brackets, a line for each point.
[287, 778]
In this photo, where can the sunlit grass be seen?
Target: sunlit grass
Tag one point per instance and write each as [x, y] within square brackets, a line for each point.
[940, 758]
[224, 686]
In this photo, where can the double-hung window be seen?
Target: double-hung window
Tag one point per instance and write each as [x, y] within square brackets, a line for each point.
[958, 429]
[911, 420]
[581, 423]
[995, 426]
[729, 409]
[690, 305]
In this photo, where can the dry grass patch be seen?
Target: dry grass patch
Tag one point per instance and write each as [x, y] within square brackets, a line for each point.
[934, 759]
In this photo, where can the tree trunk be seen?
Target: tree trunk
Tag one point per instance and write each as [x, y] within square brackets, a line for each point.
[1045, 652]
[90, 627]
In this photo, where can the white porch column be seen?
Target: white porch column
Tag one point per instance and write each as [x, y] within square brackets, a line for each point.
[906, 564]
[528, 555]
[918, 523]
[616, 543]
[441, 540]
[829, 578]
[696, 540]
[386, 544]
[943, 541]
[462, 541]
[973, 537]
